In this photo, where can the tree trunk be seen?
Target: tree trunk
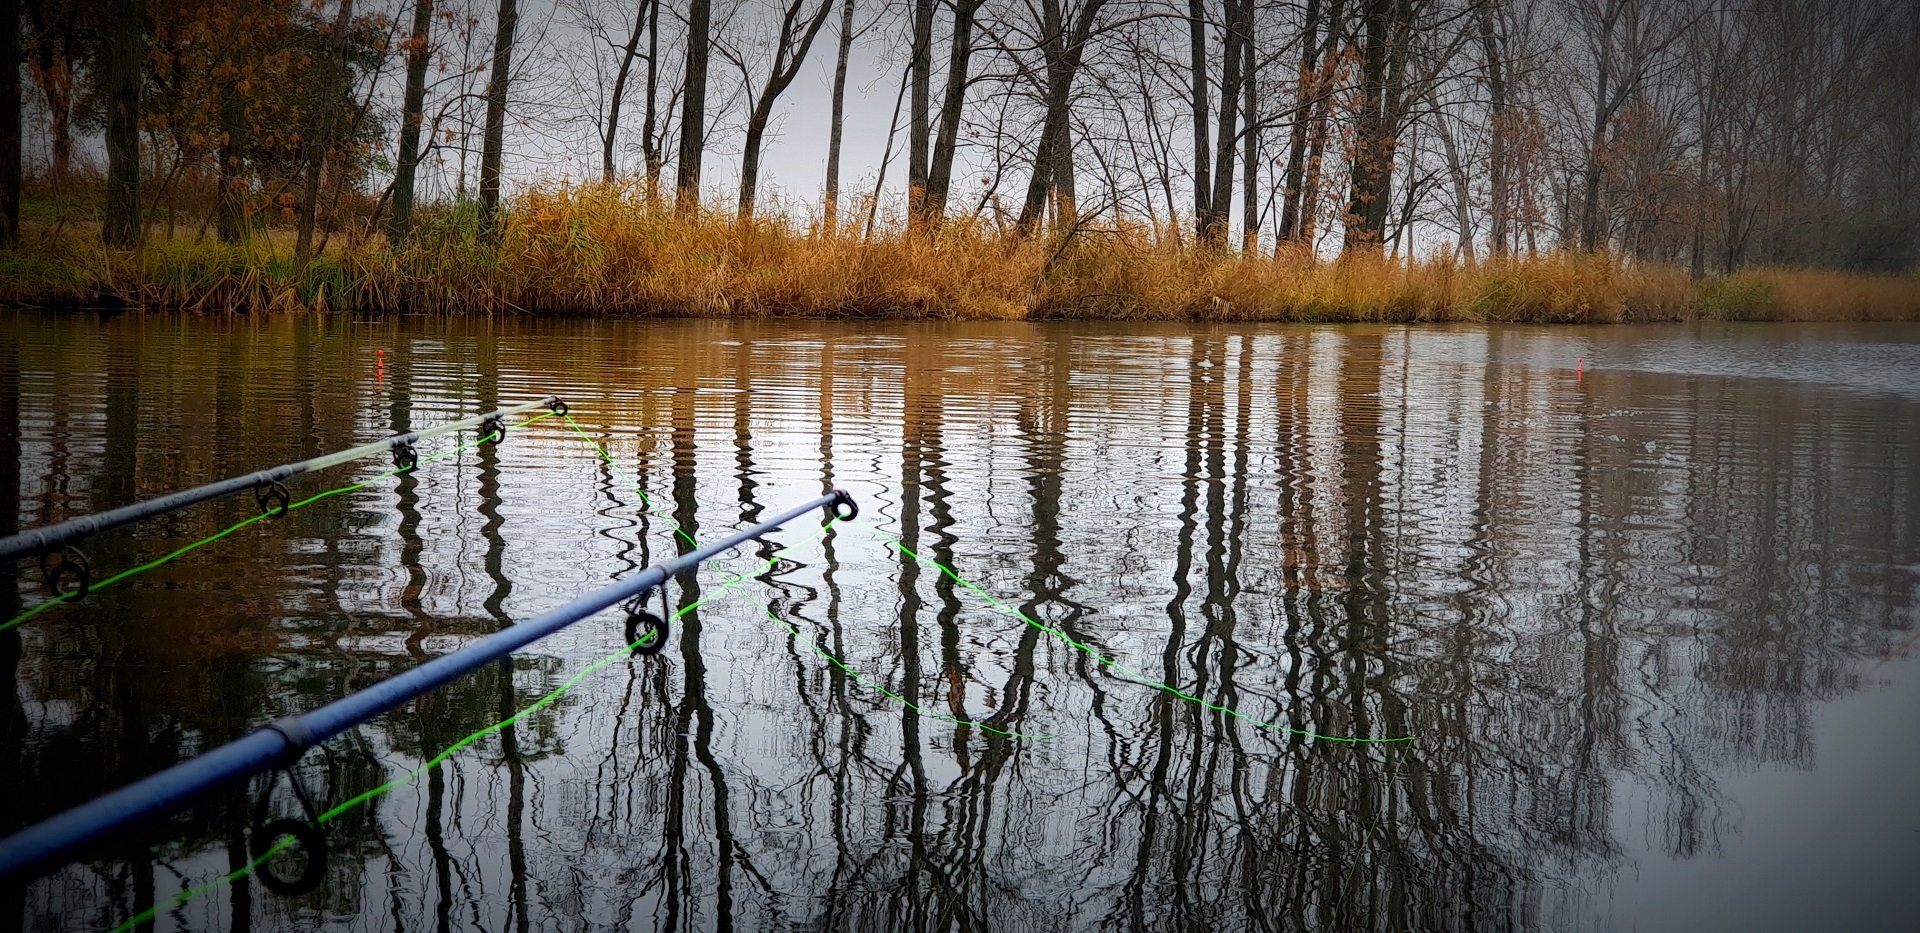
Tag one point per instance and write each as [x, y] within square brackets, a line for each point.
[412, 115]
[628, 53]
[1590, 220]
[494, 142]
[1698, 260]
[1306, 104]
[1202, 117]
[124, 56]
[787, 59]
[60, 122]
[1499, 208]
[9, 122]
[232, 205]
[1066, 195]
[940, 170]
[838, 120]
[1053, 125]
[650, 148]
[323, 132]
[920, 66]
[886, 155]
[1213, 229]
[693, 110]
[1053, 159]
[1462, 191]
[53, 56]
[1310, 184]
[1374, 137]
[1250, 153]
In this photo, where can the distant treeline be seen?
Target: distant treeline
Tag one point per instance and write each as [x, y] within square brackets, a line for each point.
[1696, 133]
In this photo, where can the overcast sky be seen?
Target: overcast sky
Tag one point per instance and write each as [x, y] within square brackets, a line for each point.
[553, 135]
[559, 140]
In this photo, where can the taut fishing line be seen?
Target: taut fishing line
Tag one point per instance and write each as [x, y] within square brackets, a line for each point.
[1128, 672]
[815, 646]
[53, 601]
[281, 844]
[1116, 665]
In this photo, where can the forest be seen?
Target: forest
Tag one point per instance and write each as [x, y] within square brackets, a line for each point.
[1306, 159]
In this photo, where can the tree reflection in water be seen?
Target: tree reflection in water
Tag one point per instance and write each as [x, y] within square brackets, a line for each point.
[1587, 600]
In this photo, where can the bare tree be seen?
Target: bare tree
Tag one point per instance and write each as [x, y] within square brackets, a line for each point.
[1202, 118]
[940, 168]
[1627, 43]
[693, 112]
[412, 113]
[1318, 37]
[628, 53]
[493, 142]
[1494, 18]
[1234, 55]
[1683, 131]
[9, 122]
[123, 58]
[920, 70]
[795, 39]
[1250, 136]
[322, 140]
[1063, 47]
[838, 120]
[652, 146]
[1385, 46]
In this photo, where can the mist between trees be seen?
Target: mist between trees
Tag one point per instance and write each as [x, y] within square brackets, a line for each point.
[1703, 135]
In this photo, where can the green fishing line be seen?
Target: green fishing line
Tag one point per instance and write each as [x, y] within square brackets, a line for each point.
[878, 688]
[281, 844]
[47, 604]
[361, 799]
[645, 503]
[810, 643]
[1130, 673]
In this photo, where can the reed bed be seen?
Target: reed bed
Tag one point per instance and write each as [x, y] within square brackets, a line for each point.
[611, 250]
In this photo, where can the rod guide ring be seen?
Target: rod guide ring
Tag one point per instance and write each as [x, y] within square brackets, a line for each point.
[843, 508]
[71, 563]
[273, 498]
[639, 621]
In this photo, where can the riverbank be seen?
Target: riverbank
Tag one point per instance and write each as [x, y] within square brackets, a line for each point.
[597, 250]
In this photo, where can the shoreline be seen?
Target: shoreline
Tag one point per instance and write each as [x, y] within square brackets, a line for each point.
[114, 305]
[593, 252]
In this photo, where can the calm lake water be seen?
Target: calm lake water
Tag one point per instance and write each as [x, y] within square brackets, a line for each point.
[1651, 628]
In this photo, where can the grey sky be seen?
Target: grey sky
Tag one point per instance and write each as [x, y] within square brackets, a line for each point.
[564, 141]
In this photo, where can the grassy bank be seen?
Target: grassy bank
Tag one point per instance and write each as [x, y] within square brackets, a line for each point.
[603, 250]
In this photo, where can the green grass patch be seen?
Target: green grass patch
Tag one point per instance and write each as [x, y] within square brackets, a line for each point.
[1735, 298]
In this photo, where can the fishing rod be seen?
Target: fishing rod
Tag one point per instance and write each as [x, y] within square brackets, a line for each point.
[279, 744]
[268, 487]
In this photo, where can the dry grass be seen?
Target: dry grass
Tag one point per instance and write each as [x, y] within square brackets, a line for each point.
[600, 249]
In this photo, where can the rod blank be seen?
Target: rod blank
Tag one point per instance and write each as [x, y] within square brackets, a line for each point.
[42, 844]
[54, 537]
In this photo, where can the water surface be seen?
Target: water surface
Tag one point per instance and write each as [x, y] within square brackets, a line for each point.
[1649, 626]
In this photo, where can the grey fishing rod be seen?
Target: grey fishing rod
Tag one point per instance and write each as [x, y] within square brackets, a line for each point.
[267, 486]
[278, 744]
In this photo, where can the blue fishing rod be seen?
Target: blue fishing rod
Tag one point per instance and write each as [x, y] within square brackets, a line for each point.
[279, 744]
[267, 486]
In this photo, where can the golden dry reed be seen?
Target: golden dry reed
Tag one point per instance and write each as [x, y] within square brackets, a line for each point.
[608, 249]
